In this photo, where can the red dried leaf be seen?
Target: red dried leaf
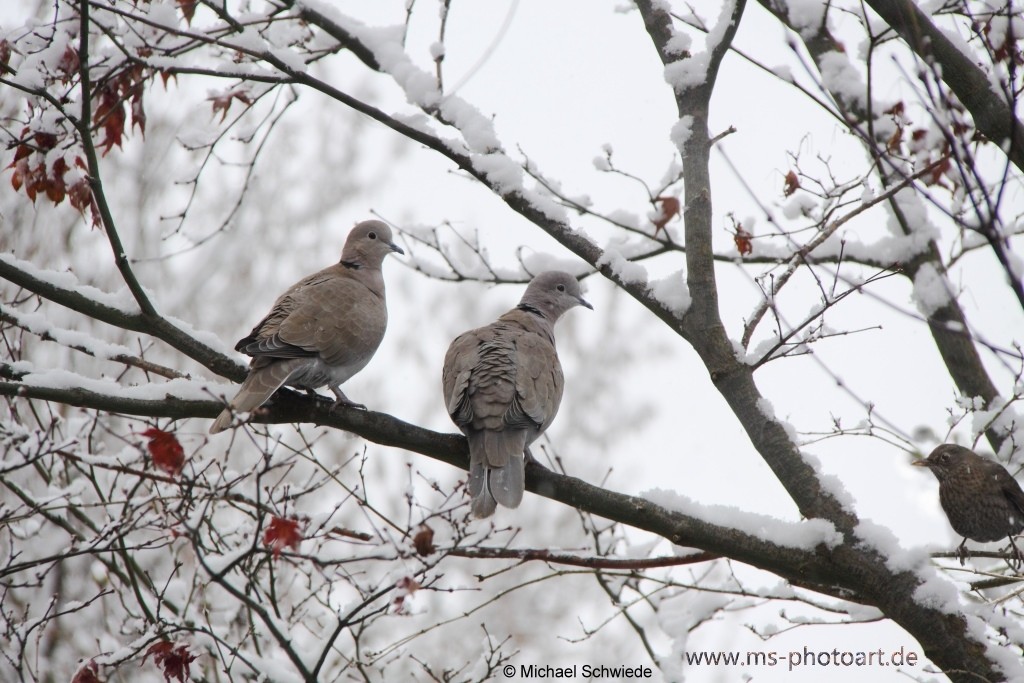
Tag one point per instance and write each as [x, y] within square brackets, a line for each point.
[138, 111]
[893, 143]
[669, 209]
[34, 178]
[55, 190]
[222, 102]
[173, 659]
[68, 64]
[423, 541]
[87, 673]
[80, 195]
[60, 167]
[188, 9]
[282, 533]
[20, 172]
[405, 587]
[792, 184]
[165, 449]
[896, 109]
[938, 171]
[110, 115]
[742, 240]
[44, 141]
[20, 153]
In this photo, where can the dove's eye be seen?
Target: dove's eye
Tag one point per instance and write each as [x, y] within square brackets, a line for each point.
[372, 235]
[561, 288]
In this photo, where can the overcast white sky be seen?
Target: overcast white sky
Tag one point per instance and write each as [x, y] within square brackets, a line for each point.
[563, 79]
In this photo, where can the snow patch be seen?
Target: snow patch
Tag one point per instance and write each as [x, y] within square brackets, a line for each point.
[841, 77]
[673, 292]
[806, 16]
[805, 535]
[897, 558]
[931, 291]
[689, 72]
[624, 269]
[681, 131]
[121, 301]
[504, 173]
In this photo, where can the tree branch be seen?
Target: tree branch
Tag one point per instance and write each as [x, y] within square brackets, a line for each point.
[944, 636]
[810, 569]
[612, 563]
[947, 324]
[42, 284]
[992, 115]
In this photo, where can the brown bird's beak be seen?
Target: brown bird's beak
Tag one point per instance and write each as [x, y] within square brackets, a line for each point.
[921, 463]
[584, 302]
[397, 249]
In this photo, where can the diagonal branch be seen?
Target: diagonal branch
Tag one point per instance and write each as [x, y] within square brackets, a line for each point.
[84, 127]
[47, 286]
[944, 636]
[992, 115]
[808, 568]
[703, 324]
[947, 323]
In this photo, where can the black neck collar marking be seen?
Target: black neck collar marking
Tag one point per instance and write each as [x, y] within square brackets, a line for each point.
[530, 309]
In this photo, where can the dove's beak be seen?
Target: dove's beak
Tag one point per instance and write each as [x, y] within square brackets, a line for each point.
[397, 249]
[584, 302]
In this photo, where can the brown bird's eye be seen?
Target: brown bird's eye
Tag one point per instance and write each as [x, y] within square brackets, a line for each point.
[372, 235]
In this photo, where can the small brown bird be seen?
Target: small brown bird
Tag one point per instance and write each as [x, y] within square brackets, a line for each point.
[981, 499]
[502, 386]
[323, 330]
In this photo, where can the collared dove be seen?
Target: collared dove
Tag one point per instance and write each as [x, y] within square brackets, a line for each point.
[323, 330]
[502, 386]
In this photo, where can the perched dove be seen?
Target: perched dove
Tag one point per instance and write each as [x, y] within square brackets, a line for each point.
[323, 330]
[502, 386]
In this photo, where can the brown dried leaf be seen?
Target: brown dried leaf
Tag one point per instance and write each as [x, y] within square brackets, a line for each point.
[173, 659]
[282, 533]
[894, 141]
[188, 9]
[896, 109]
[87, 673]
[423, 541]
[742, 239]
[792, 184]
[406, 586]
[670, 207]
[68, 64]
[222, 102]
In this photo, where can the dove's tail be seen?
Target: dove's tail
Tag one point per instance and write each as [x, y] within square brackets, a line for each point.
[256, 389]
[497, 471]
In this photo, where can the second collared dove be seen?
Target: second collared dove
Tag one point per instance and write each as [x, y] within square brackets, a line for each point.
[323, 330]
[502, 386]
